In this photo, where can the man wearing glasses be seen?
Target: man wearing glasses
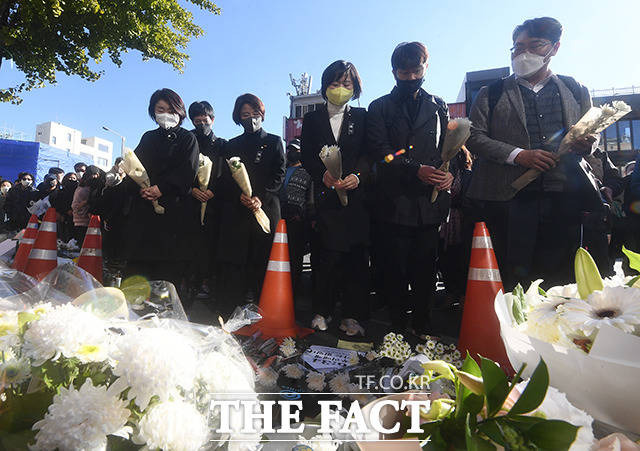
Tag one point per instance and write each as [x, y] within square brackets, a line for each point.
[518, 123]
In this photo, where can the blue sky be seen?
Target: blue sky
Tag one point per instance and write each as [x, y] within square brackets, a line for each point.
[255, 44]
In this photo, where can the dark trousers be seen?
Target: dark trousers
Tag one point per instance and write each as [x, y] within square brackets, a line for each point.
[344, 274]
[535, 235]
[410, 255]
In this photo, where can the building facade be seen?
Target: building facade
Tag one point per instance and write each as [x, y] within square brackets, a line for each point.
[90, 150]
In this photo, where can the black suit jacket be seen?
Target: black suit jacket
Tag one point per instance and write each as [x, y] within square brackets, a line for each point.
[401, 198]
[338, 227]
[241, 238]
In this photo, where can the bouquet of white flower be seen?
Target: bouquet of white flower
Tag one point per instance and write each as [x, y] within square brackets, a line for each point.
[79, 375]
[204, 175]
[240, 175]
[595, 120]
[332, 159]
[133, 168]
[590, 327]
[458, 131]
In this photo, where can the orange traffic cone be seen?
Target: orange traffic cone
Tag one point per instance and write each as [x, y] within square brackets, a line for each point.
[276, 299]
[43, 257]
[480, 330]
[26, 243]
[91, 254]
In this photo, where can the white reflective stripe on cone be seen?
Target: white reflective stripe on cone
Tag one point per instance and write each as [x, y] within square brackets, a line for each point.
[481, 242]
[280, 238]
[32, 225]
[91, 252]
[48, 227]
[27, 241]
[43, 254]
[278, 266]
[484, 275]
[93, 231]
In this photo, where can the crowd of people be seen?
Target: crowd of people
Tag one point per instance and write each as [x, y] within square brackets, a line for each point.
[389, 238]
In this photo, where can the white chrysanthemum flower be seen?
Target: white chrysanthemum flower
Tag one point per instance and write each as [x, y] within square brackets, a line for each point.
[456, 354]
[545, 322]
[615, 306]
[173, 426]
[154, 361]
[430, 355]
[267, 377]
[40, 309]
[439, 348]
[82, 419]
[288, 347]
[68, 331]
[556, 407]
[447, 358]
[221, 374]
[320, 442]
[293, 371]
[431, 345]
[315, 381]
[13, 371]
[458, 364]
[420, 348]
[340, 385]
[8, 322]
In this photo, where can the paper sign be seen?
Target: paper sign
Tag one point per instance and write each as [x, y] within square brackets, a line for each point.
[355, 346]
[325, 359]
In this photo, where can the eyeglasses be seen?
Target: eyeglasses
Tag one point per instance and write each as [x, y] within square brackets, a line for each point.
[533, 47]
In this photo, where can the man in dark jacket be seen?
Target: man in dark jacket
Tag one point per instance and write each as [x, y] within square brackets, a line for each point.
[406, 131]
[202, 116]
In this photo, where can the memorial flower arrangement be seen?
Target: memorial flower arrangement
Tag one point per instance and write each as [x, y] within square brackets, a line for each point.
[571, 315]
[586, 332]
[241, 177]
[73, 377]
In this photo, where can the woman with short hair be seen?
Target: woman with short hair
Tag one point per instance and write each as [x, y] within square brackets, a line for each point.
[243, 249]
[340, 254]
[154, 244]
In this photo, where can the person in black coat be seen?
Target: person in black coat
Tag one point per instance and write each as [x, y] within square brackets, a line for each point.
[340, 253]
[19, 198]
[406, 131]
[61, 200]
[243, 247]
[202, 116]
[155, 245]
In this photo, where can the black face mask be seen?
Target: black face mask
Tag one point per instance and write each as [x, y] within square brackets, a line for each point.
[203, 129]
[70, 184]
[408, 87]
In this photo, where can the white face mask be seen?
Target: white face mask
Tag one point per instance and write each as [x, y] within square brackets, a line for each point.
[167, 120]
[527, 63]
[25, 182]
[5, 189]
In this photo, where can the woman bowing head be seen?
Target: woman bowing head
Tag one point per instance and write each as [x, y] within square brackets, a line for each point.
[244, 247]
[156, 244]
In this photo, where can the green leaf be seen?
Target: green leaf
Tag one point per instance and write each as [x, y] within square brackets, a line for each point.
[522, 422]
[24, 318]
[519, 303]
[466, 400]
[588, 277]
[491, 429]
[634, 258]
[496, 385]
[534, 393]
[436, 442]
[633, 282]
[542, 292]
[552, 435]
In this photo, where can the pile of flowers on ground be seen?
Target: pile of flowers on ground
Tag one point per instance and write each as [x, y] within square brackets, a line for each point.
[71, 379]
[433, 349]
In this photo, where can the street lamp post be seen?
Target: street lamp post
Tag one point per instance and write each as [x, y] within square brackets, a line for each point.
[121, 137]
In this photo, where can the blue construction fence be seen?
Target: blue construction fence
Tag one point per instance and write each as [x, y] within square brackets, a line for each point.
[33, 157]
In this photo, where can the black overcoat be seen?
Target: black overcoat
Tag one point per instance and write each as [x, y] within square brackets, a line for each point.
[241, 239]
[171, 160]
[339, 228]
